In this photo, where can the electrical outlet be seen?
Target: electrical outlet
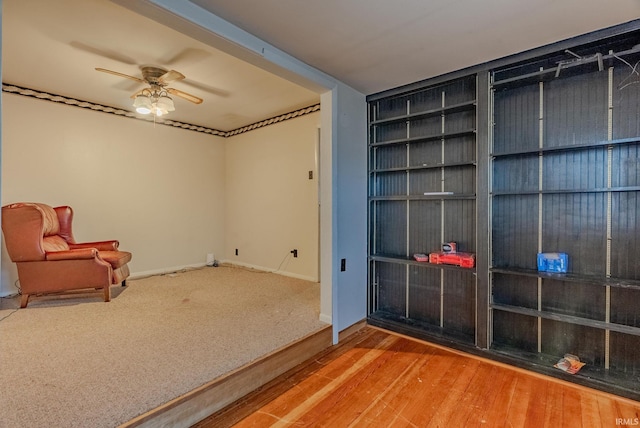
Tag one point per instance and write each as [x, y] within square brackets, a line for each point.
[294, 252]
[343, 265]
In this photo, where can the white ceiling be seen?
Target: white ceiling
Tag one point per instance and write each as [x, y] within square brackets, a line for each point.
[374, 45]
[371, 45]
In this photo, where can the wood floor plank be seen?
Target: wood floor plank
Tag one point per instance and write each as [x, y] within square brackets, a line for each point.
[379, 379]
[399, 402]
[553, 409]
[347, 399]
[390, 405]
[571, 408]
[496, 414]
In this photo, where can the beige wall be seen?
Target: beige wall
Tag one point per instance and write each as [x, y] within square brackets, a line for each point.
[272, 205]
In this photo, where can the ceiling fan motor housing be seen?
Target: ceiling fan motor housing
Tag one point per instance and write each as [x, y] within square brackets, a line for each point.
[153, 74]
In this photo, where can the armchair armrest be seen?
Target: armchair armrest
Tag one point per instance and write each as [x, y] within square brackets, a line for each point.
[100, 245]
[78, 254]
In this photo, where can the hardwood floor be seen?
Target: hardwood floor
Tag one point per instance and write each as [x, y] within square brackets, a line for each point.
[378, 379]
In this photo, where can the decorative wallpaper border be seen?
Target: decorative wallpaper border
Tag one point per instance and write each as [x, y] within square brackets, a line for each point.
[168, 122]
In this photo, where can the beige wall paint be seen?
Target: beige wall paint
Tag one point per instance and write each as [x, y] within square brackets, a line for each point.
[272, 205]
[157, 189]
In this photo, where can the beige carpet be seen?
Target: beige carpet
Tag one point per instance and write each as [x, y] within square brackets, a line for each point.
[80, 362]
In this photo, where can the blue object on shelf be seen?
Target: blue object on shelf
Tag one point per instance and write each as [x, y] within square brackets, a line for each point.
[553, 262]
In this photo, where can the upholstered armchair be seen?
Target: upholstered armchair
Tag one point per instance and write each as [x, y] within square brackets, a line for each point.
[39, 239]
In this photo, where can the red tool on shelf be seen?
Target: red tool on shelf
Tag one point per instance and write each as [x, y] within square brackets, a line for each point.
[466, 260]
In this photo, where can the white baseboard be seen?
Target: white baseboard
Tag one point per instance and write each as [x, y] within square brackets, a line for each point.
[325, 318]
[265, 269]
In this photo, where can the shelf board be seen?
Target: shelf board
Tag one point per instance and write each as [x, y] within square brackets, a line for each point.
[420, 167]
[572, 277]
[543, 150]
[426, 138]
[434, 196]
[620, 328]
[411, 261]
[455, 108]
[568, 191]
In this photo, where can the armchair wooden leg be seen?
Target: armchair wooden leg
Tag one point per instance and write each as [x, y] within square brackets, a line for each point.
[107, 294]
[24, 300]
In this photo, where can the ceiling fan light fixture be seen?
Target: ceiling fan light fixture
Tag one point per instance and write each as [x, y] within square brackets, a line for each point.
[142, 104]
[165, 103]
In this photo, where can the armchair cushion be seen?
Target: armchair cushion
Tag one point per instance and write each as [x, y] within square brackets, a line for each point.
[116, 259]
[54, 243]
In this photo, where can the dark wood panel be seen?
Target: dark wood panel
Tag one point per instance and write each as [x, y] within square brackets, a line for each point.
[515, 231]
[390, 228]
[426, 99]
[625, 355]
[460, 179]
[515, 290]
[626, 109]
[459, 302]
[427, 153]
[424, 227]
[625, 245]
[516, 174]
[391, 280]
[460, 121]
[425, 127]
[392, 183]
[559, 338]
[390, 157]
[625, 164]
[424, 294]
[461, 149]
[390, 132]
[425, 180]
[625, 307]
[575, 170]
[390, 107]
[516, 124]
[515, 330]
[571, 298]
[575, 110]
[576, 224]
[460, 224]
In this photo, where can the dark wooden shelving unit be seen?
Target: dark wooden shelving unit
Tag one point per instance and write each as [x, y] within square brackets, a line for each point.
[422, 177]
[565, 178]
[538, 152]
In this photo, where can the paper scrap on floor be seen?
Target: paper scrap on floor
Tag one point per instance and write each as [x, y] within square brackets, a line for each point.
[570, 364]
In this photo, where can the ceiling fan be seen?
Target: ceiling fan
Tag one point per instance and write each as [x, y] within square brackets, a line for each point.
[155, 99]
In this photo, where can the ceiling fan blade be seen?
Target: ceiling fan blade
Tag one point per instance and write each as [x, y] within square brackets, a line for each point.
[186, 56]
[206, 88]
[105, 53]
[126, 76]
[170, 76]
[184, 95]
